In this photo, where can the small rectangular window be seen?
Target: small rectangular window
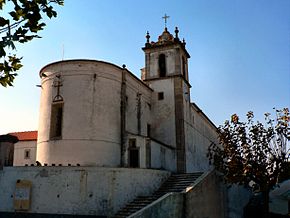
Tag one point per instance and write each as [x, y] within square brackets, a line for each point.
[160, 95]
[148, 130]
[132, 143]
[56, 120]
[27, 154]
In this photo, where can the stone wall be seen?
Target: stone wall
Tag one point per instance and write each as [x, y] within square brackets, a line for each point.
[79, 190]
[237, 198]
[169, 206]
[207, 198]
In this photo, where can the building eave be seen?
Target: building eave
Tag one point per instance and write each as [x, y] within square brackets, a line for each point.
[198, 110]
[95, 61]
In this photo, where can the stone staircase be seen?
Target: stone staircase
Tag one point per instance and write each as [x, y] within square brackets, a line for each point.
[175, 183]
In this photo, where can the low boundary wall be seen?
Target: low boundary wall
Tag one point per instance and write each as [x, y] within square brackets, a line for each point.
[79, 190]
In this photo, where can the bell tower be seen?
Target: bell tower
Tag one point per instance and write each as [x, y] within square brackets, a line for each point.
[165, 58]
[166, 72]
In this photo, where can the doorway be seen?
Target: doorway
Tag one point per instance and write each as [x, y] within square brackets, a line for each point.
[134, 157]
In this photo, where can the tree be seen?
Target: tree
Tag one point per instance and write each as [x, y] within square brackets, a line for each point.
[252, 152]
[22, 25]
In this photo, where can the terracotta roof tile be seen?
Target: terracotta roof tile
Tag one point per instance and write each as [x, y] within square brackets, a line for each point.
[25, 136]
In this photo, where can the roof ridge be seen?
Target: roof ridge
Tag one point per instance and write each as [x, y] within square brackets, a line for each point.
[23, 131]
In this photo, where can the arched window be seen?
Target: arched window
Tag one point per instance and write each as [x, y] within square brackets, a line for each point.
[162, 65]
[56, 120]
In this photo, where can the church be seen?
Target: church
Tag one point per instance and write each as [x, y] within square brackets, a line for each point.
[95, 113]
[112, 145]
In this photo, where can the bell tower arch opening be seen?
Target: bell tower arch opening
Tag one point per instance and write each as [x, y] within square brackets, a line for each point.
[162, 65]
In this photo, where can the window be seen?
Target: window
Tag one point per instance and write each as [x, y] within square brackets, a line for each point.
[160, 95]
[148, 130]
[56, 120]
[132, 143]
[27, 154]
[162, 65]
[183, 67]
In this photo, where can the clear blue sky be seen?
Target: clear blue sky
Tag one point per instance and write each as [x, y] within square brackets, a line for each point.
[240, 51]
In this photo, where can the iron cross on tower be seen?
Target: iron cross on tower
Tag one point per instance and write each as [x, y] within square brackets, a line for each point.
[165, 20]
[57, 83]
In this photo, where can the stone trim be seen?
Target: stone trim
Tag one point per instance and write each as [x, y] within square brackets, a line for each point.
[169, 76]
[179, 126]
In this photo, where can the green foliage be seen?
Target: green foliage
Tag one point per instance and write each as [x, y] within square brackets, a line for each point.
[252, 152]
[22, 26]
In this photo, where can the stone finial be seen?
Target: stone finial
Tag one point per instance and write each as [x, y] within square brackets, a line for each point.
[147, 37]
[183, 41]
[176, 32]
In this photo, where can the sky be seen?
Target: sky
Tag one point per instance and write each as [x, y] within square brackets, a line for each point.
[240, 51]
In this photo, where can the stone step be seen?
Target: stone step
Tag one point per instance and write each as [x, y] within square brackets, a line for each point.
[187, 174]
[134, 207]
[174, 187]
[175, 183]
[181, 180]
[144, 200]
[125, 212]
[129, 210]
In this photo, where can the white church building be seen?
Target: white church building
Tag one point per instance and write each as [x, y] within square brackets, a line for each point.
[107, 138]
[95, 113]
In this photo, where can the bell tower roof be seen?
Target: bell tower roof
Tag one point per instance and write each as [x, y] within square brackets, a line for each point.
[164, 40]
[165, 37]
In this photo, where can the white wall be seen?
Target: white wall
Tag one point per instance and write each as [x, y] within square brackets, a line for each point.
[162, 157]
[163, 111]
[199, 133]
[91, 114]
[19, 153]
[79, 190]
[91, 91]
[134, 87]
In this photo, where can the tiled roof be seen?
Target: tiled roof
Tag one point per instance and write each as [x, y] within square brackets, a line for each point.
[25, 136]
